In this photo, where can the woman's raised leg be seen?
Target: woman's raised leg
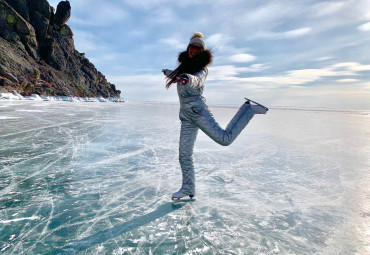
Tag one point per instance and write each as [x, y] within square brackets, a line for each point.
[202, 117]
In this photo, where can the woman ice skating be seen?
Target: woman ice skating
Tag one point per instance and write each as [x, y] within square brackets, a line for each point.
[194, 113]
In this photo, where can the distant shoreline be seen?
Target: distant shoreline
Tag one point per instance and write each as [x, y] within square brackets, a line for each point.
[17, 97]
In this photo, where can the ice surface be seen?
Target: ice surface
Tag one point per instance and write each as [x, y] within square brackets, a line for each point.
[97, 179]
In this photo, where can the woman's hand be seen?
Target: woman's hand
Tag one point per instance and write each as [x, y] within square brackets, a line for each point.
[182, 80]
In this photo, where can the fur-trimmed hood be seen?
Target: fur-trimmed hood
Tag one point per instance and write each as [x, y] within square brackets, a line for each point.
[193, 65]
[190, 65]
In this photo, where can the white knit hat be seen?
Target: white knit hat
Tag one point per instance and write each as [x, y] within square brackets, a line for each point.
[198, 38]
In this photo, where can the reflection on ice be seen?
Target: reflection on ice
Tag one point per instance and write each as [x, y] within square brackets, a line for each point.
[97, 179]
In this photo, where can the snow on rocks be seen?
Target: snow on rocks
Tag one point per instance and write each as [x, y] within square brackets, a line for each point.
[34, 97]
[9, 96]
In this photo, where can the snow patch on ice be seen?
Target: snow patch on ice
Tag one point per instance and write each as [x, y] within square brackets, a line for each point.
[24, 110]
[7, 118]
[20, 219]
[120, 157]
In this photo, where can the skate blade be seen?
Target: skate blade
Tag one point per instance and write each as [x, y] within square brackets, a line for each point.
[183, 199]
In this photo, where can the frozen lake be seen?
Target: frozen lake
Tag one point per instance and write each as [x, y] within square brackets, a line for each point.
[97, 178]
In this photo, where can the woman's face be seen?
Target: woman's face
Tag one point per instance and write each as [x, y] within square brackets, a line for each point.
[194, 49]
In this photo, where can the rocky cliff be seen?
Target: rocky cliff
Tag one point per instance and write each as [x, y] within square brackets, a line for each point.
[37, 53]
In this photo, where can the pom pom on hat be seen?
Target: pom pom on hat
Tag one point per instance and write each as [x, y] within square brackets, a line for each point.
[198, 35]
[198, 38]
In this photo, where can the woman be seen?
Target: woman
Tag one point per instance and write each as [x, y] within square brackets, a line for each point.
[194, 113]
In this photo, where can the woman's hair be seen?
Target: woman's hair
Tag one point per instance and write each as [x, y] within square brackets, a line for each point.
[190, 65]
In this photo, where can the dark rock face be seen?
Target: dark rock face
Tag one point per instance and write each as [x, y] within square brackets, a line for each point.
[37, 53]
[62, 14]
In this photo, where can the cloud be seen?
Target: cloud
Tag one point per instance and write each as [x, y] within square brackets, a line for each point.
[86, 41]
[364, 27]
[227, 78]
[365, 86]
[149, 87]
[96, 13]
[224, 72]
[282, 35]
[296, 32]
[231, 74]
[347, 80]
[173, 42]
[360, 67]
[307, 75]
[132, 80]
[147, 4]
[162, 15]
[216, 39]
[324, 58]
[267, 13]
[256, 68]
[350, 66]
[219, 41]
[367, 16]
[344, 65]
[242, 58]
[327, 8]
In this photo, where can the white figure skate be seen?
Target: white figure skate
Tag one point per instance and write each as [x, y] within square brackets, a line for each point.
[257, 108]
[182, 194]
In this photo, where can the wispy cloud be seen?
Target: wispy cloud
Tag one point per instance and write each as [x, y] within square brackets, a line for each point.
[163, 15]
[223, 72]
[327, 8]
[146, 79]
[347, 80]
[282, 35]
[219, 41]
[256, 68]
[323, 58]
[350, 66]
[97, 13]
[242, 58]
[267, 13]
[149, 86]
[173, 42]
[296, 32]
[364, 27]
[146, 4]
[366, 16]
[87, 41]
[301, 77]
[232, 72]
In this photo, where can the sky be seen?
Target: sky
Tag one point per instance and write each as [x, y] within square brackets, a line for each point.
[279, 52]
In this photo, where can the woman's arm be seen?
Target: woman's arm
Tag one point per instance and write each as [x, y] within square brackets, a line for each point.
[196, 80]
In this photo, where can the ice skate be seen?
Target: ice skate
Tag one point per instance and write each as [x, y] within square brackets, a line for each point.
[183, 193]
[257, 108]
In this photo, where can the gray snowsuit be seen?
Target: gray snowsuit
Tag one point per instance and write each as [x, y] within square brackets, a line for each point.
[194, 115]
